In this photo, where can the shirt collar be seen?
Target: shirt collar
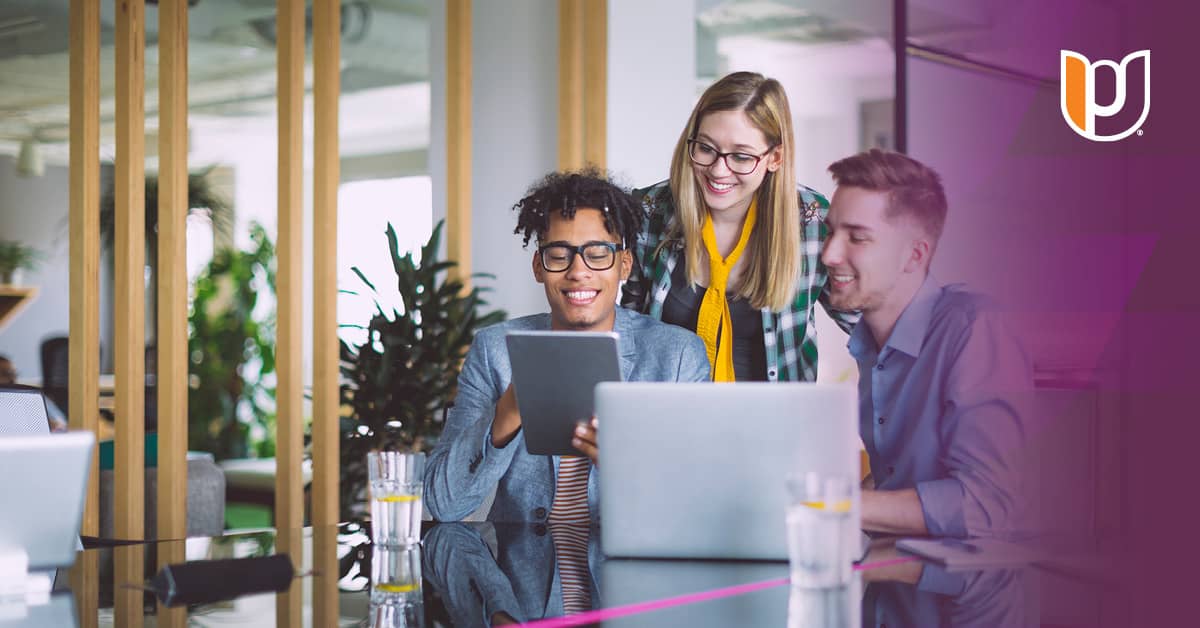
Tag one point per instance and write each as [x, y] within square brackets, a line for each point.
[908, 335]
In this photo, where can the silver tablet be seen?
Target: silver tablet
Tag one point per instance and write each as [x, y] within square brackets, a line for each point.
[554, 376]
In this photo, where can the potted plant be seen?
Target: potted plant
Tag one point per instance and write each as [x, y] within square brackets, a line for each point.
[15, 257]
[231, 345]
[397, 384]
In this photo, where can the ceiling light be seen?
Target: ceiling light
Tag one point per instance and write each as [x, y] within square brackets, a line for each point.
[29, 160]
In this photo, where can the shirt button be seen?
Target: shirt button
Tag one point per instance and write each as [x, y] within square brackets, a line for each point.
[539, 530]
[768, 329]
[539, 513]
[771, 373]
[881, 420]
[879, 367]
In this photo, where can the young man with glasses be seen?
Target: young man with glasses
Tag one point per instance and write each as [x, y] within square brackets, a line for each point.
[584, 226]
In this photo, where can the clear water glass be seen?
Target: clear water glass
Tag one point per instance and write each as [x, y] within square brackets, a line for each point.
[822, 531]
[396, 490]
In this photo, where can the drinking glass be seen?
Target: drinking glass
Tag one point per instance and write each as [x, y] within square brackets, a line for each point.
[821, 530]
[396, 481]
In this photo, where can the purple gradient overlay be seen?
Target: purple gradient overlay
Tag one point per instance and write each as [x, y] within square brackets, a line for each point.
[1095, 248]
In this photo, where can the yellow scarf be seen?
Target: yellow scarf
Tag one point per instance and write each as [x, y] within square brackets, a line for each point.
[714, 317]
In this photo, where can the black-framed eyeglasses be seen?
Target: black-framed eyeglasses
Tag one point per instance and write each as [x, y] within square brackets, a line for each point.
[738, 163]
[557, 258]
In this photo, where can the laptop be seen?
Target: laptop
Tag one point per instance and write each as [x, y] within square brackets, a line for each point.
[47, 476]
[22, 411]
[699, 470]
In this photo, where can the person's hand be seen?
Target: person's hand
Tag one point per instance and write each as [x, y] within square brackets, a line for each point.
[508, 418]
[885, 563]
[585, 439]
[501, 618]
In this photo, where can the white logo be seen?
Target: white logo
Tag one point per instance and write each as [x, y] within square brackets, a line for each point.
[1078, 93]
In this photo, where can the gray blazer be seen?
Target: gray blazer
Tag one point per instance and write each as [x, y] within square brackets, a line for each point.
[464, 466]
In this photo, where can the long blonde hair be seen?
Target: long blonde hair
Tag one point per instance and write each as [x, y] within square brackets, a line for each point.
[773, 264]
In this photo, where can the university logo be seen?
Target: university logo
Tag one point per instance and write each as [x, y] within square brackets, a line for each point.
[1078, 102]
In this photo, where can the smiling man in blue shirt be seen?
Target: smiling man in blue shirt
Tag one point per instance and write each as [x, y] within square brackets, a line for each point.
[942, 384]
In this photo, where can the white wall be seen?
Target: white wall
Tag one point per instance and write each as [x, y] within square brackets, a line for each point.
[514, 137]
[34, 211]
[651, 85]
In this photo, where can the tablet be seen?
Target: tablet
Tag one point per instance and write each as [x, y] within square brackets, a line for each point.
[554, 375]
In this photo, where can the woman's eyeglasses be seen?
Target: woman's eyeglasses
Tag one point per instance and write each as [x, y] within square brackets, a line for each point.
[738, 163]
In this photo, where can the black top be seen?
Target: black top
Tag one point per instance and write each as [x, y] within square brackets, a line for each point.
[682, 308]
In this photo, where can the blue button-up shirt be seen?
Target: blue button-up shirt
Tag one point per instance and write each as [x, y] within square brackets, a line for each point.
[942, 409]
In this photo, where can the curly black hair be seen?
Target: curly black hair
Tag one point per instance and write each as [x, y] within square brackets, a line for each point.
[567, 191]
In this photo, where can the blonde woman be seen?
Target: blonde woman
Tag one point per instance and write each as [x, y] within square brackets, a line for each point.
[730, 245]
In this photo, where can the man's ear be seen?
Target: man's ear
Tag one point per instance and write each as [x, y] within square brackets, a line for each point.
[539, 273]
[626, 264]
[918, 254]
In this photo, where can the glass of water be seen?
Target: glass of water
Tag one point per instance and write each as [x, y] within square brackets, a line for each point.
[396, 600]
[822, 530]
[396, 480]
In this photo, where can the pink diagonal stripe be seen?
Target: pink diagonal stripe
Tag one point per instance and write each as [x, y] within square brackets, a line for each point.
[680, 600]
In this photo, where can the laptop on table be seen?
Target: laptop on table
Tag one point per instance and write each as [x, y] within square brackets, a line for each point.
[699, 470]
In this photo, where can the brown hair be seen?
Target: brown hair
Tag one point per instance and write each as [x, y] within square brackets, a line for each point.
[773, 262]
[914, 189]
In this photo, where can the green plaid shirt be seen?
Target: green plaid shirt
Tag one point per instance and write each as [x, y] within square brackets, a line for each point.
[790, 336]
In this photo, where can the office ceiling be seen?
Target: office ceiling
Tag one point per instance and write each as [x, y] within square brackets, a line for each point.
[385, 60]
[231, 59]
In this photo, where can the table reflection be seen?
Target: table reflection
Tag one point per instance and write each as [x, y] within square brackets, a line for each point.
[483, 574]
[915, 593]
[518, 581]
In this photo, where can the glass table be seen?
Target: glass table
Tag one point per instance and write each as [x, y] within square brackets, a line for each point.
[481, 574]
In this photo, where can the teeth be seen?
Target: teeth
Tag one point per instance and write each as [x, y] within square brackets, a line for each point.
[581, 294]
[842, 278]
[720, 186]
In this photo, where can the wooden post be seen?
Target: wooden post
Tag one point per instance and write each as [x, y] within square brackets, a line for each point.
[84, 343]
[595, 82]
[570, 84]
[458, 137]
[129, 312]
[326, 173]
[289, 495]
[172, 380]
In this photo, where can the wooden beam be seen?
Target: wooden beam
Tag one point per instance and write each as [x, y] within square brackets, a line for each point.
[172, 340]
[595, 82]
[326, 173]
[570, 84]
[84, 277]
[129, 313]
[458, 137]
[289, 496]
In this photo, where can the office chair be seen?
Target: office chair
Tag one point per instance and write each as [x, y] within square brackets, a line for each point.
[56, 374]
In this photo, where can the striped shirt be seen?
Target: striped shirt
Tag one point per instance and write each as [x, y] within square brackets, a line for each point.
[569, 524]
[789, 336]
